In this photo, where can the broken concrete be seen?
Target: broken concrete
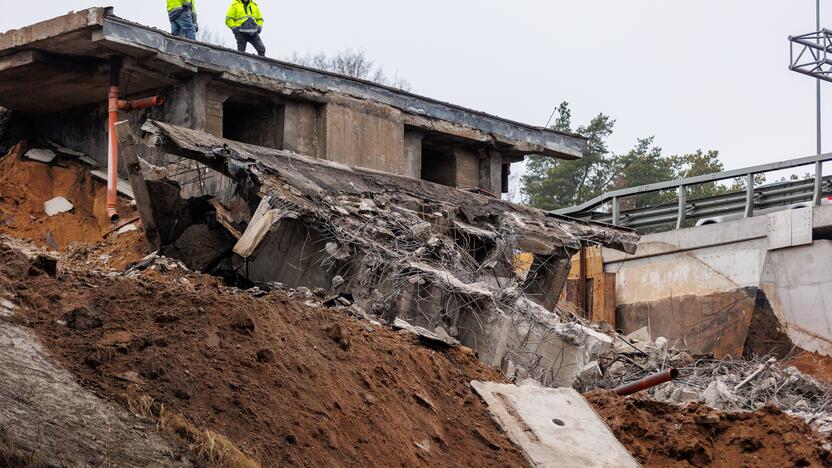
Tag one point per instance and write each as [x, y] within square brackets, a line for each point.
[41, 155]
[57, 206]
[429, 254]
[554, 427]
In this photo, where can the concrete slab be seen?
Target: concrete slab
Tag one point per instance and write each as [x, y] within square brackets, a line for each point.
[122, 186]
[127, 228]
[56, 206]
[41, 155]
[555, 427]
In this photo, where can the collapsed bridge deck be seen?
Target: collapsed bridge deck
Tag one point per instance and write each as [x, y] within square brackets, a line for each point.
[435, 256]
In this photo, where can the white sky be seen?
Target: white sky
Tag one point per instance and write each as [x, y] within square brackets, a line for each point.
[708, 74]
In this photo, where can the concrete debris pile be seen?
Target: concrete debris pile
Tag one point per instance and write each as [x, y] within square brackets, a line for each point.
[154, 262]
[723, 384]
[390, 247]
[734, 385]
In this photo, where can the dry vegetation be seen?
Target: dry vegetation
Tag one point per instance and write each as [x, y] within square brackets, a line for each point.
[209, 447]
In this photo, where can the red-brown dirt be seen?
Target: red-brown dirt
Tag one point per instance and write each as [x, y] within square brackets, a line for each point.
[288, 383]
[819, 367]
[665, 435]
[25, 185]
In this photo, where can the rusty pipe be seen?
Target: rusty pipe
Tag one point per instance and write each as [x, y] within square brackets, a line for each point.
[647, 382]
[114, 104]
[145, 103]
[112, 154]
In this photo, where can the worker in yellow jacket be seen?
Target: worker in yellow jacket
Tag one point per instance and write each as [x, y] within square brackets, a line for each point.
[182, 15]
[245, 19]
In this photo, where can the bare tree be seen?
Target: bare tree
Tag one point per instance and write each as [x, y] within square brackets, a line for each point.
[353, 63]
[210, 36]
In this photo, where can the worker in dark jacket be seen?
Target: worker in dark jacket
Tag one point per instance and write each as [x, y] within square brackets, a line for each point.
[245, 19]
[182, 15]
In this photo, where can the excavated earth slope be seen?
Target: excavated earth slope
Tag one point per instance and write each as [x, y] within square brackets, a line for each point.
[287, 383]
[666, 435]
[24, 187]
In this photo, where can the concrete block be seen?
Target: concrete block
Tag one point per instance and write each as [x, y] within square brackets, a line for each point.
[122, 185]
[127, 228]
[41, 155]
[555, 427]
[57, 206]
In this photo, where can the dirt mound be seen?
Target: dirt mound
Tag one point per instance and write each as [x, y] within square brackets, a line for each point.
[665, 435]
[25, 185]
[287, 383]
[819, 367]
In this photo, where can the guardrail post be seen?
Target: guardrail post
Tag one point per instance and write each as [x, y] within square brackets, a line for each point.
[817, 196]
[749, 195]
[616, 211]
[683, 204]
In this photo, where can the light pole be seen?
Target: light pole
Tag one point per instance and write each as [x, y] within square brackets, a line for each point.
[818, 165]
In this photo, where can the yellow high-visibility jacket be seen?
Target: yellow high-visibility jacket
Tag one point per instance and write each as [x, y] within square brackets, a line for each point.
[244, 18]
[175, 6]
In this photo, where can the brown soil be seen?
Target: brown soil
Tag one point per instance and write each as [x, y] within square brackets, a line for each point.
[819, 367]
[665, 435]
[289, 384]
[25, 185]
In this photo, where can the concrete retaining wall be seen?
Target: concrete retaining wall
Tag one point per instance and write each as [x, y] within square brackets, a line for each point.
[724, 289]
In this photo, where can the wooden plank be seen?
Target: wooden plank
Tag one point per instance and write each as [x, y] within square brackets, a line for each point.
[225, 218]
[594, 263]
[603, 299]
[261, 224]
[129, 153]
[582, 301]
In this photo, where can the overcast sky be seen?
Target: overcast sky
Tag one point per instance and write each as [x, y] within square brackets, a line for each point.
[708, 74]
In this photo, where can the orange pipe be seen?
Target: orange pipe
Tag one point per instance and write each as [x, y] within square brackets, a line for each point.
[112, 157]
[114, 104]
[145, 103]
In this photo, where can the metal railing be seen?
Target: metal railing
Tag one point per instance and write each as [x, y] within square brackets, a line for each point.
[738, 202]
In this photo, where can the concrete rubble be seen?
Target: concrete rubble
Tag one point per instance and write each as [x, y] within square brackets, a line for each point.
[57, 206]
[723, 384]
[402, 250]
[41, 155]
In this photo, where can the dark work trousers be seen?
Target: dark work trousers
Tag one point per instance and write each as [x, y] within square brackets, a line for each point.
[182, 25]
[244, 39]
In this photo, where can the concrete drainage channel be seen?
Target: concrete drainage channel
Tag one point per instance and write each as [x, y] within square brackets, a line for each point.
[577, 434]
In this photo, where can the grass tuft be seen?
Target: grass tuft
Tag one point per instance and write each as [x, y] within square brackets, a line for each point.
[209, 447]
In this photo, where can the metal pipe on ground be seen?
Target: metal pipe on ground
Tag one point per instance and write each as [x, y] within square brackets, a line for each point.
[647, 382]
